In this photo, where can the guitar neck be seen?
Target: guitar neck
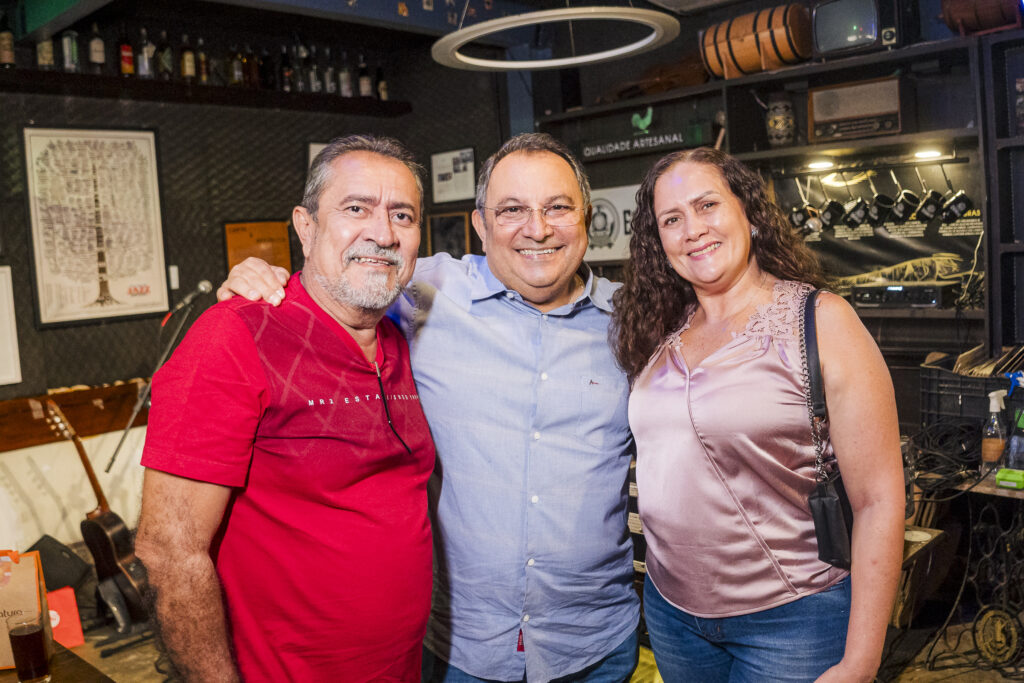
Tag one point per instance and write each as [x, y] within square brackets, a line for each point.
[66, 430]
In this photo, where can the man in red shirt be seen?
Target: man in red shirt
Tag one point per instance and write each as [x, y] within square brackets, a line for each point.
[284, 512]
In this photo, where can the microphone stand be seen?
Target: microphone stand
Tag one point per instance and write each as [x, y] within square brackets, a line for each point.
[144, 394]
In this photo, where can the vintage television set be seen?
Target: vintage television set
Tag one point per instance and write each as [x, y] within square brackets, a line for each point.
[847, 27]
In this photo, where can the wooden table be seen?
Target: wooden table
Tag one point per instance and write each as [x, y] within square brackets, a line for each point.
[65, 667]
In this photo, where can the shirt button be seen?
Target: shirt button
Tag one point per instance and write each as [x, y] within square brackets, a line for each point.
[544, 316]
[526, 617]
[530, 562]
[536, 436]
[543, 375]
[534, 499]
[509, 295]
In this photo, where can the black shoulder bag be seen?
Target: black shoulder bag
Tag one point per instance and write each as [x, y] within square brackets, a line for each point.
[830, 506]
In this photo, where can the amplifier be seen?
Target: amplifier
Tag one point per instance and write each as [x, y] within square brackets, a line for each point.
[855, 110]
[925, 294]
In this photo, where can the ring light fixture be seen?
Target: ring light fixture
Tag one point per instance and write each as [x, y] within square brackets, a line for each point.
[664, 29]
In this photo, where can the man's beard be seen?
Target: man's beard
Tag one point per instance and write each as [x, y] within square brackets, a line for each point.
[375, 294]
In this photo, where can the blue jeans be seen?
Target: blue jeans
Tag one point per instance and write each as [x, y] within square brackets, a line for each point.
[797, 641]
[616, 667]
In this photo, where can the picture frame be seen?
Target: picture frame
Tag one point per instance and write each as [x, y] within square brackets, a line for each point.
[453, 175]
[448, 233]
[96, 231]
[267, 240]
[10, 359]
[314, 149]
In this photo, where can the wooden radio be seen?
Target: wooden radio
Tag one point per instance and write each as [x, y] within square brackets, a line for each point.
[880, 106]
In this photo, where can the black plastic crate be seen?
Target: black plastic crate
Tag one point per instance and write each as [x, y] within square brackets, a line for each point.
[946, 395]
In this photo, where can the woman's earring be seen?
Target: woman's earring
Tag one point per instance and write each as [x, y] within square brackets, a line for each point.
[753, 232]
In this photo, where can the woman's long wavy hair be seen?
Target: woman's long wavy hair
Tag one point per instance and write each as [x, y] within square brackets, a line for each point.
[655, 300]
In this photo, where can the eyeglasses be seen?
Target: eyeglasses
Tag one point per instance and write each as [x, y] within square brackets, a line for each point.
[555, 215]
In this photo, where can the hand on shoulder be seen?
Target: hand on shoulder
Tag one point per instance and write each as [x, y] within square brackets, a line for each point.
[255, 279]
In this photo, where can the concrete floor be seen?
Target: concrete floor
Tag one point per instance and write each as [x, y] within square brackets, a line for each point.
[136, 664]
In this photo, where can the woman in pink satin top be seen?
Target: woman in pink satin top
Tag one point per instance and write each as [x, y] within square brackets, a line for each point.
[707, 328]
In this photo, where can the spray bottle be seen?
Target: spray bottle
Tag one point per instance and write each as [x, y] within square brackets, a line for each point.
[993, 436]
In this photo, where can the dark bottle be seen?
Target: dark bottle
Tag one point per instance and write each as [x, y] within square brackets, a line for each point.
[6, 43]
[44, 54]
[313, 73]
[126, 54]
[97, 52]
[285, 73]
[144, 52]
[164, 59]
[365, 82]
[251, 68]
[267, 71]
[382, 84]
[300, 54]
[69, 51]
[236, 69]
[345, 77]
[330, 73]
[202, 63]
[188, 61]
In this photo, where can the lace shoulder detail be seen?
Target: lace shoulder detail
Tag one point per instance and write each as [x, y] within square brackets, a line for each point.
[781, 318]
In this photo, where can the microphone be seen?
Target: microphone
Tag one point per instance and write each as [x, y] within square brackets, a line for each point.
[204, 287]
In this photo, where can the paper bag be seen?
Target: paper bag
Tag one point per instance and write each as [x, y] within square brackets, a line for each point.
[22, 590]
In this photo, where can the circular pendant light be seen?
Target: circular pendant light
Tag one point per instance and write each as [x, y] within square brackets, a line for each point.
[664, 29]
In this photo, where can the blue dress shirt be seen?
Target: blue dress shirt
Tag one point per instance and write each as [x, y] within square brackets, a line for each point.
[529, 495]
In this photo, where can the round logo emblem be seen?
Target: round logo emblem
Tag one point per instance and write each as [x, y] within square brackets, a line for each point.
[997, 636]
[604, 224]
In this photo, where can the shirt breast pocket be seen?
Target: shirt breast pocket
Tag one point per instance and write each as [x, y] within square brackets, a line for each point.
[603, 421]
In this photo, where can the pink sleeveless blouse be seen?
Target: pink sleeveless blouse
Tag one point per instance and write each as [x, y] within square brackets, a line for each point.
[724, 467]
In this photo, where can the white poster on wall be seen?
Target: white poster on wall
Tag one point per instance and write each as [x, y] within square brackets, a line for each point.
[610, 230]
[453, 175]
[10, 361]
[97, 237]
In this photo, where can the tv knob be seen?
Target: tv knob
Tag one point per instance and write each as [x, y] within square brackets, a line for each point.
[888, 36]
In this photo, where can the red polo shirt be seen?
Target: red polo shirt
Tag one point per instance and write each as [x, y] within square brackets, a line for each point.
[325, 551]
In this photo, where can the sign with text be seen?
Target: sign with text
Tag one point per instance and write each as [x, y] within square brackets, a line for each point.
[610, 229]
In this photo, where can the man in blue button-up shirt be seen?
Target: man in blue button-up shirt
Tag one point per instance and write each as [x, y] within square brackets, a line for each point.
[532, 557]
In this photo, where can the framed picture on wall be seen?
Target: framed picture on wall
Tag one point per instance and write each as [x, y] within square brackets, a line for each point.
[314, 149]
[97, 237]
[453, 175]
[267, 240]
[10, 361]
[448, 233]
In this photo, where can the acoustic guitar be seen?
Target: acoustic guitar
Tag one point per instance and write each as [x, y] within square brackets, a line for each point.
[108, 539]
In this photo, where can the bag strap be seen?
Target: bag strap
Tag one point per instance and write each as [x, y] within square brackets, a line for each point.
[814, 387]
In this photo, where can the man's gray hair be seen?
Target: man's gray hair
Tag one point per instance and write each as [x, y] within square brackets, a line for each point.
[531, 143]
[320, 171]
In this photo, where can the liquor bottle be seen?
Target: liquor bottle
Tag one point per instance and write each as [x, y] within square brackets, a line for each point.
[126, 54]
[202, 63]
[365, 82]
[70, 60]
[164, 59]
[236, 70]
[97, 52]
[286, 72]
[313, 73]
[44, 54]
[344, 77]
[330, 73]
[188, 61]
[144, 52]
[6, 43]
[382, 84]
[300, 55]
[250, 68]
[267, 71]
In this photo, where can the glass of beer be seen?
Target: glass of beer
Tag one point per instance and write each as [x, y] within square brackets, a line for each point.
[28, 643]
